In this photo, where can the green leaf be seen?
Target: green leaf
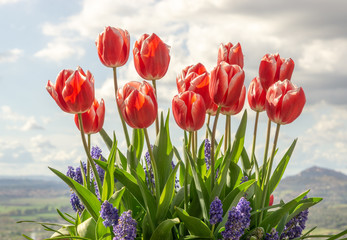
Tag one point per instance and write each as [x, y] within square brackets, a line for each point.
[163, 231]
[64, 217]
[275, 217]
[108, 186]
[106, 138]
[138, 141]
[304, 204]
[246, 164]
[223, 176]
[121, 160]
[102, 164]
[116, 197]
[281, 167]
[131, 184]
[178, 198]
[200, 188]
[87, 229]
[89, 200]
[166, 195]
[338, 235]
[194, 225]
[163, 152]
[101, 232]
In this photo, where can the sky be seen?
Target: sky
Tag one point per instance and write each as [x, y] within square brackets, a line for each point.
[42, 37]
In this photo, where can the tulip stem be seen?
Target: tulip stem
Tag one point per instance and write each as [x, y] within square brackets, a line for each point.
[253, 159]
[266, 150]
[90, 159]
[268, 172]
[207, 124]
[154, 165]
[186, 173]
[120, 114]
[193, 144]
[227, 135]
[212, 147]
[156, 119]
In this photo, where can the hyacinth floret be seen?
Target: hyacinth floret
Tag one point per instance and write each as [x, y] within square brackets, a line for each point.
[296, 225]
[207, 153]
[273, 235]
[109, 214]
[244, 179]
[126, 227]
[177, 186]
[96, 154]
[239, 219]
[149, 171]
[76, 204]
[216, 211]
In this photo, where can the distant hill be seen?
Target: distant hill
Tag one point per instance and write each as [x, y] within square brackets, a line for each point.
[331, 213]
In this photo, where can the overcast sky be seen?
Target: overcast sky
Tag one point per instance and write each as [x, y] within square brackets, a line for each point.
[42, 37]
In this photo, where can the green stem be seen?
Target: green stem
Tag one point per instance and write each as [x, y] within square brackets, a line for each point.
[90, 159]
[193, 145]
[266, 150]
[120, 114]
[212, 147]
[186, 174]
[226, 133]
[253, 159]
[207, 125]
[156, 119]
[268, 173]
[154, 165]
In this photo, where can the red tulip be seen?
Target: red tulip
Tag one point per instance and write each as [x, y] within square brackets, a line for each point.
[138, 104]
[284, 102]
[113, 46]
[195, 78]
[73, 91]
[274, 68]
[189, 111]
[93, 119]
[231, 54]
[237, 106]
[226, 84]
[151, 57]
[256, 95]
[271, 201]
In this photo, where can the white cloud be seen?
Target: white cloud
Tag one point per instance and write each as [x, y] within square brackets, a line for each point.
[18, 121]
[322, 56]
[10, 55]
[60, 49]
[3, 2]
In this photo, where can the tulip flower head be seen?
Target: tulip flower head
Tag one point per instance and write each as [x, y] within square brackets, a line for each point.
[256, 95]
[189, 110]
[151, 57]
[138, 104]
[113, 46]
[237, 106]
[73, 90]
[284, 102]
[93, 119]
[195, 78]
[231, 54]
[226, 84]
[274, 68]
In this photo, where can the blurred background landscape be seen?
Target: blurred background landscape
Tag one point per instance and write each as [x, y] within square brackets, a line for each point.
[36, 198]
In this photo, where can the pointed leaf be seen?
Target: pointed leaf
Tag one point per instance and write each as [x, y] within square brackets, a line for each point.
[106, 138]
[89, 200]
[138, 141]
[163, 231]
[194, 225]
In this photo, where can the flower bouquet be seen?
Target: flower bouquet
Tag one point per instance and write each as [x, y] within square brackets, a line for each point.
[211, 189]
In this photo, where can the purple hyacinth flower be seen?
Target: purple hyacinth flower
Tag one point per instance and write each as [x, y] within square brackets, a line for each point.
[216, 211]
[126, 227]
[207, 153]
[76, 204]
[273, 235]
[109, 214]
[239, 219]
